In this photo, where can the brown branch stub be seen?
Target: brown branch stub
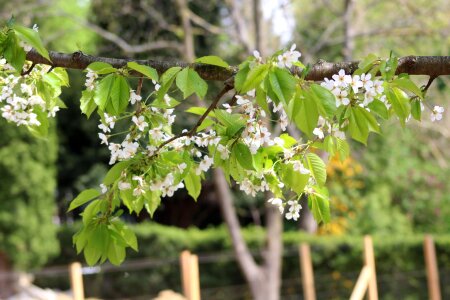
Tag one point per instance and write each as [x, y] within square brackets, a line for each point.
[413, 65]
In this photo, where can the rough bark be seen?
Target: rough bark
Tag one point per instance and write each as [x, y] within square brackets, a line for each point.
[413, 65]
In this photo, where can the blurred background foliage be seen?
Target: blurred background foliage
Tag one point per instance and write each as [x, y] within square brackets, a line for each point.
[397, 186]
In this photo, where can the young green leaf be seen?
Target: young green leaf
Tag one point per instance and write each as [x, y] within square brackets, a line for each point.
[167, 80]
[103, 91]
[212, 60]
[305, 113]
[282, 84]
[406, 84]
[254, 78]
[244, 156]
[115, 172]
[84, 197]
[144, 70]
[358, 127]
[32, 38]
[189, 82]
[293, 179]
[317, 168]
[193, 184]
[326, 101]
[320, 206]
[400, 103]
[416, 109]
[120, 94]
[87, 103]
[13, 53]
[101, 68]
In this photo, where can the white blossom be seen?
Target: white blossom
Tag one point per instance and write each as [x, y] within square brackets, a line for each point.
[140, 122]
[318, 132]
[299, 167]
[124, 185]
[103, 188]
[436, 114]
[134, 97]
[289, 57]
[278, 203]
[294, 210]
[342, 79]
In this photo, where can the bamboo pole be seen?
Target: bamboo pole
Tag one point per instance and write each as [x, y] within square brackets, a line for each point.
[309, 292]
[369, 261]
[361, 284]
[434, 292]
[190, 275]
[76, 280]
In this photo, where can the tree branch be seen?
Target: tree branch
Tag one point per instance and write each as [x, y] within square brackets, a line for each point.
[413, 65]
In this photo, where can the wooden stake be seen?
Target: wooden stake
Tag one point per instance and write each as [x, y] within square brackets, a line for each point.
[369, 261]
[309, 292]
[361, 284]
[76, 280]
[434, 292]
[190, 275]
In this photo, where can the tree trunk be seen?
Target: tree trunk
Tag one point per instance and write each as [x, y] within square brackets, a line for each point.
[264, 281]
[349, 42]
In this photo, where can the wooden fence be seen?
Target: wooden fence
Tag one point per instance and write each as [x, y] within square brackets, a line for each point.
[366, 282]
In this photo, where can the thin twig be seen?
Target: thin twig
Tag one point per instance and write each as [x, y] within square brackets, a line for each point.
[23, 73]
[430, 81]
[189, 133]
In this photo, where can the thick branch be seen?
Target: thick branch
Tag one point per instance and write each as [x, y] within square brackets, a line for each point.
[414, 65]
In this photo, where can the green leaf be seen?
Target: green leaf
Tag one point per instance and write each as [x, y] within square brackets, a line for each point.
[116, 253]
[244, 156]
[379, 108]
[254, 78]
[87, 103]
[13, 53]
[233, 122]
[167, 80]
[370, 119]
[193, 184]
[317, 168]
[400, 103]
[212, 60]
[84, 197]
[189, 82]
[407, 85]
[325, 100]
[196, 110]
[152, 201]
[366, 64]
[293, 179]
[40, 131]
[358, 126]
[282, 84]
[144, 70]
[103, 91]
[320, 206]
[416, 109]
[120, 94]
[101, 68]
[261, 99]
[343, 149]
[241, 76]
[32, 38]
[305, 113]
[115, 172]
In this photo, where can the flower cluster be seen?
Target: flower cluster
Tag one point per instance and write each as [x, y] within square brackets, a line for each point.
[360, 89]
[22, 102]
[289, 57]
